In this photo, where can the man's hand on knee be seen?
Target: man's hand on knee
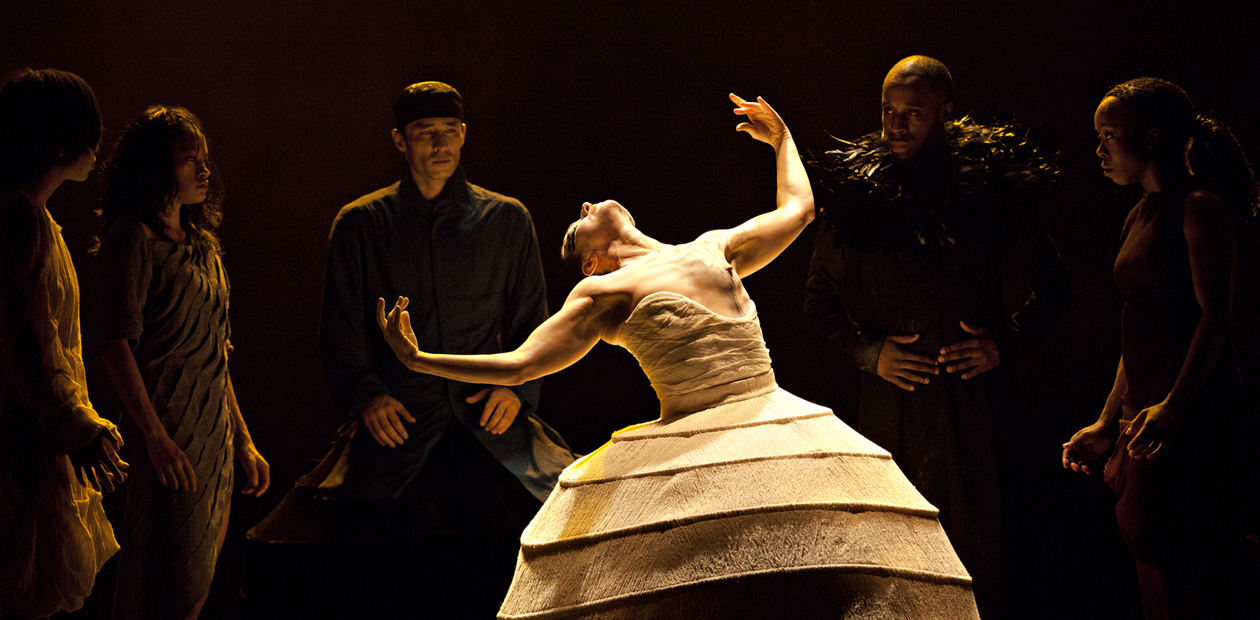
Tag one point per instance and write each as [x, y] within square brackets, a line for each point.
[502, 405]
[384, 419]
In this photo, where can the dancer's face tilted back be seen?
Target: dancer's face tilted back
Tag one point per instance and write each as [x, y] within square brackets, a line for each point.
[586, 242]
[915, 103]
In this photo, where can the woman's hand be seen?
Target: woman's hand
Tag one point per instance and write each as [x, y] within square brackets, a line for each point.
[763, 122]
[97, 464]
[257, 471]
[1153, 428]
[1088, 445]
[397, 330]
[171, 464]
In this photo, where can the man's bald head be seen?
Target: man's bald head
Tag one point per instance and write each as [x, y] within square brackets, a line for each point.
[916, 103]
[925, 70]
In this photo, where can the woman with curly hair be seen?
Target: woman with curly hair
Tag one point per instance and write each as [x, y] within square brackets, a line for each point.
[54, 536]
[1174, 411]
[165, 334]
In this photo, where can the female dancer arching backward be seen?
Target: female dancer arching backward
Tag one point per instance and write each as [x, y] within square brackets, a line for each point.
[742, 500]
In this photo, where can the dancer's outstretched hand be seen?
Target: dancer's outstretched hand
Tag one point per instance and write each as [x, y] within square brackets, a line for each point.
[763, 122]
[397, 329]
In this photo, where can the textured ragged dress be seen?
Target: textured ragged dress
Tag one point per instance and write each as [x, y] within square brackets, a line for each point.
[170, 301]
[741, 501]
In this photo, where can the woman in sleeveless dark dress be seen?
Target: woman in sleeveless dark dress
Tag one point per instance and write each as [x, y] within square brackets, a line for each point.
[742, 500]
[1173, 414]
[164, 325]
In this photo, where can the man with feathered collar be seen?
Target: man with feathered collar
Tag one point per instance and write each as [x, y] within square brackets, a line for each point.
[923, 224]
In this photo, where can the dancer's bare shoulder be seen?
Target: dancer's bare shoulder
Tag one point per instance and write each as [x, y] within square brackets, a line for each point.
[605, 299]
[716, 239]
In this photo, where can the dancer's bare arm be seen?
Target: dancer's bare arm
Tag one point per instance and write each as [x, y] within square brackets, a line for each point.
[753, 244]
[588, 314]
[1210, 241]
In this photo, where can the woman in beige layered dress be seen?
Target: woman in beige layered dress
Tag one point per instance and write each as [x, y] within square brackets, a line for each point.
[742, 500]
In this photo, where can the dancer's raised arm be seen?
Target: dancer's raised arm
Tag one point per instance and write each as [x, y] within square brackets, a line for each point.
[753, 244]
[555, 345]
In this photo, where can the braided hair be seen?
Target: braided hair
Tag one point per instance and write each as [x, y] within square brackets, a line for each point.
[1205, 146]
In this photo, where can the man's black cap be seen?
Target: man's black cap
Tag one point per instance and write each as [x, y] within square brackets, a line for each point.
[427, 100]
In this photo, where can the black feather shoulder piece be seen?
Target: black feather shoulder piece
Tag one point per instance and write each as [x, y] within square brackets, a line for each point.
[970, 184]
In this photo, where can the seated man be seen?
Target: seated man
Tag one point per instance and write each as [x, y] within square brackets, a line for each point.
[431, 481]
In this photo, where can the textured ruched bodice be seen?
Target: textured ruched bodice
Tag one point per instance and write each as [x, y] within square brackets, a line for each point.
[696, 358]
[742, 501]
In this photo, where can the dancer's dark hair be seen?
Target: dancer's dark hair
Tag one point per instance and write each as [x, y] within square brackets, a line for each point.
[141, 176]
[1204, 145]
[569, 255]
[47, 118]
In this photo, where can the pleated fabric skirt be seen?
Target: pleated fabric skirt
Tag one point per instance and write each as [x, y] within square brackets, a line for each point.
[769, 507]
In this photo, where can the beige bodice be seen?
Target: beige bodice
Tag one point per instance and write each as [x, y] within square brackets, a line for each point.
[695, 358]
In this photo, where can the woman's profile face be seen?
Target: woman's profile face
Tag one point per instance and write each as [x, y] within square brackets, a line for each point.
[192, 172]
[80, 168]
[1121, 143]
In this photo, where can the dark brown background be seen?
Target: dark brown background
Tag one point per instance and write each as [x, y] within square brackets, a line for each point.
[570, 101]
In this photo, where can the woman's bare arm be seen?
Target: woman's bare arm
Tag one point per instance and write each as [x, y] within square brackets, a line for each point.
[556, 344]
[257, 470]
[1213, 265]
[172, 465]
[1110, 415]
[1211, 243]
[753, 244]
